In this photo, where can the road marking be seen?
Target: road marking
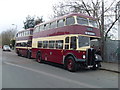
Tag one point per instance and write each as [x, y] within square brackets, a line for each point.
[54, 76]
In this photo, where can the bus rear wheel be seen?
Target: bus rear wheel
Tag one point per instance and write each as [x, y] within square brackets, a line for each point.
[29, 55]
[39, 58]
[18, 53]
[71, 65]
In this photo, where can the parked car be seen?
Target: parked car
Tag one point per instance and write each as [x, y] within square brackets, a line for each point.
[6, 48]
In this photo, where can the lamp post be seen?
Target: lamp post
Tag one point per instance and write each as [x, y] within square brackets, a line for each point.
[15, 26]
[13, 39]
[102, 31]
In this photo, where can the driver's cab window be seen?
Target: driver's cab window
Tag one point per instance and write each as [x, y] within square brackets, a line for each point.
[67, 43]
[73, 43]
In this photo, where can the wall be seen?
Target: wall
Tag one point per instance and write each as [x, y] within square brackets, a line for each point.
[112, 51]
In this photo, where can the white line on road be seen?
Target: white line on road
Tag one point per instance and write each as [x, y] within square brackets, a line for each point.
[54, 76]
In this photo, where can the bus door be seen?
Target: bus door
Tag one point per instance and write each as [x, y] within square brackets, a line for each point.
[70, 45]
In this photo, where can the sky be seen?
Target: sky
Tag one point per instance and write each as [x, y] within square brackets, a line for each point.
[14, 12]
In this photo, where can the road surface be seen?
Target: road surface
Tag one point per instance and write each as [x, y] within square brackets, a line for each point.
[20, 72]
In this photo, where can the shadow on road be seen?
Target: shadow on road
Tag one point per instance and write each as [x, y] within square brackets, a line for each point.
[62, 67]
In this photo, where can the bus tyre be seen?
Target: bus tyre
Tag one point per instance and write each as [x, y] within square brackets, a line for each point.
[29, 55]
[18, 53]
[96, 66]
[70, 64]
[39, 58]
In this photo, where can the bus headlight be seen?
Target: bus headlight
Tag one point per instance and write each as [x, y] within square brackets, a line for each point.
[96, 56]
[83, 56]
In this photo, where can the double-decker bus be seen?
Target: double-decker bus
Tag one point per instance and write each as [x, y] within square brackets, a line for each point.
[71, 40]
[24, 42]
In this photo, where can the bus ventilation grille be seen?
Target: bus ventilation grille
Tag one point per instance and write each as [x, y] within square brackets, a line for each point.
[90, 56]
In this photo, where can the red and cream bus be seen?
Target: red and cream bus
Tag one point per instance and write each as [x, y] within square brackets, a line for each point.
[24, 42]
[71, 40]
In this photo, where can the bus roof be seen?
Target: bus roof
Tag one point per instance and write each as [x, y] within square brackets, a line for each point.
[68, 15]
[26, 30]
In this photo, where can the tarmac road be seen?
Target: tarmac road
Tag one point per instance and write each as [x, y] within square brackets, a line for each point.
[20, 72]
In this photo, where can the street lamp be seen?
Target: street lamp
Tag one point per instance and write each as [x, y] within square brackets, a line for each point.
[15, 26]
[102, 30]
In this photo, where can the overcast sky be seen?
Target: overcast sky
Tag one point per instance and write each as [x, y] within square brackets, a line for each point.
[15, 11]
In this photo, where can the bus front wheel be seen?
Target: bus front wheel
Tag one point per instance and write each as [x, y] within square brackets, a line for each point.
[70, 64]
[96, 66]
[39, 58]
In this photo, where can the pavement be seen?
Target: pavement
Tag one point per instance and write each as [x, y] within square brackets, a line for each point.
[108, 66]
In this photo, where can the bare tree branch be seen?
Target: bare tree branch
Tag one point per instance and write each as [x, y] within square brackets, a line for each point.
[111, 26]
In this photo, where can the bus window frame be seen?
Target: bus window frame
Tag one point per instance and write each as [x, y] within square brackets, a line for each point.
[63, 20]
[71, 23]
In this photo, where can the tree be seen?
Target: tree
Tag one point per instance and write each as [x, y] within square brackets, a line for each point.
[7, 36]
[12, 42]
[90, 8]
[31, 21]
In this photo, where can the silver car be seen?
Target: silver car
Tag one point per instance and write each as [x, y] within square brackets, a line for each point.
[6, 48]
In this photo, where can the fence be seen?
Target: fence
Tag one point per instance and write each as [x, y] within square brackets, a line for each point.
[112, 51]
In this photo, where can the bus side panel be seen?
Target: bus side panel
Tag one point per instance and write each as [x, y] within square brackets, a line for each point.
[22, 51]
[77, 54]
[34, 52]
[55, 55]
[51, 55]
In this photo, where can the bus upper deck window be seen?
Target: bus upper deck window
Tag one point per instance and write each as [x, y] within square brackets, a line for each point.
[82, 21]
[60, 23]
[93, 23]
[41, 28]
[53, 25]
[70, 21]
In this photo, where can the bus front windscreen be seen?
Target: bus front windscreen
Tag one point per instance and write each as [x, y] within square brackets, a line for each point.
[83, 41]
